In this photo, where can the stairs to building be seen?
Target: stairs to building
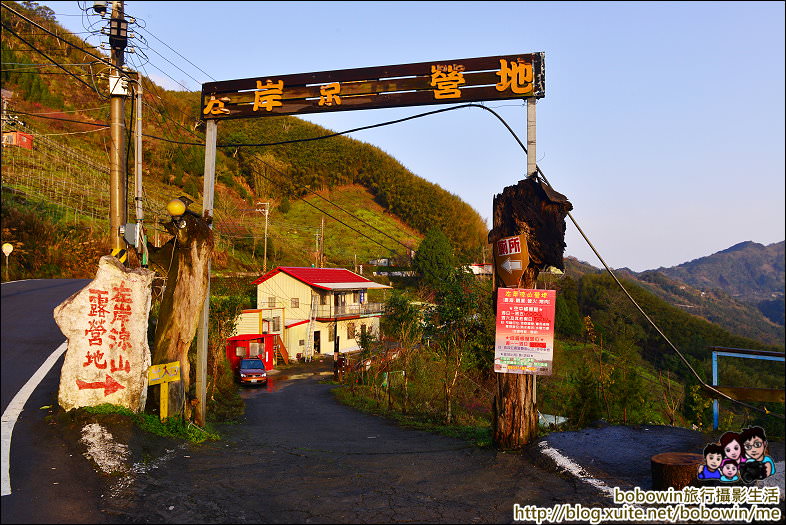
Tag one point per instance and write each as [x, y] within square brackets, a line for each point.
[280, 351]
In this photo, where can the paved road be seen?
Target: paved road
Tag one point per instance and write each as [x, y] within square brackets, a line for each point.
[29, 332]
[302, 457]
[50, 483]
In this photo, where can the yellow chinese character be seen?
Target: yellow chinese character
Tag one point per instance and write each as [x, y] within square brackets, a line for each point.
[269, 95]
[215, 107]
[329, 94]
[447, 80]
[515, 76]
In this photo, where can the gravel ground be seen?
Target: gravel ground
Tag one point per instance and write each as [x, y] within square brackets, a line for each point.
[302, 457]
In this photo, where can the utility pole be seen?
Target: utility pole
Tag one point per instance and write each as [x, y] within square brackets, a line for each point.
[316, 250]
[266, 211]
[322, 244]
[118, 177]
[211, 133]
[141, 240]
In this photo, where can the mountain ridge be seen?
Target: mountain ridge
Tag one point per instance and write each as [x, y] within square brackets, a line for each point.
[712, 286]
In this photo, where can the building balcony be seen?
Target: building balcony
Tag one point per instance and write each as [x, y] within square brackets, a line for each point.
[349, 310]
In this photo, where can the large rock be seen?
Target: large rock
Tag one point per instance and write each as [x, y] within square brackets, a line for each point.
[106, 326]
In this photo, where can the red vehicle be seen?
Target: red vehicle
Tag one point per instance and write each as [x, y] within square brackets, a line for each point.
[251, 372]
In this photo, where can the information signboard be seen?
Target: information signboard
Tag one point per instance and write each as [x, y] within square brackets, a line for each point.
[525, 331]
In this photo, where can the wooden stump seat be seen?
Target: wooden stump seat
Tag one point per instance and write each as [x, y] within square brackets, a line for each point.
[674, 469]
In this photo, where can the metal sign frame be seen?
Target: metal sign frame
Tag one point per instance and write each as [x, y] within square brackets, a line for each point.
[501, 77]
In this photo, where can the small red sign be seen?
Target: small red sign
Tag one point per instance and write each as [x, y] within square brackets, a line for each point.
[525, 331]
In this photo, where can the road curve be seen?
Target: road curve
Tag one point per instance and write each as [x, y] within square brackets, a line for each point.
[50, 483]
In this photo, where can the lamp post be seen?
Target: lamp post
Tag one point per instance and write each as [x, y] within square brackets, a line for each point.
[7, 249]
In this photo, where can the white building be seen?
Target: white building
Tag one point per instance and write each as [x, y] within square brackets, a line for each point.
[307, 307]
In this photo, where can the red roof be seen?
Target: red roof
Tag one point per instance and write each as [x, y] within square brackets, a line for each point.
[318, 277]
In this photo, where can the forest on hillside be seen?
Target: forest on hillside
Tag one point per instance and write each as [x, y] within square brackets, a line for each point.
[174, 134]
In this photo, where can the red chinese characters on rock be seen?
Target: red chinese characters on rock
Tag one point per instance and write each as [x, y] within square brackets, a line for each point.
[96, 358]
[96, 331]
[98, 300]
[120, 366]
[120, 315]
[118, 334]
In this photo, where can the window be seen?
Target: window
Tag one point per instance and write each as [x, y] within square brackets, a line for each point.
[350, 330]
[355, 296]
[331, 332]
[295, 302]
[302, 342]
[323, 299]
[253, 348]
[271, 302]
[277, 324]
[240, 351]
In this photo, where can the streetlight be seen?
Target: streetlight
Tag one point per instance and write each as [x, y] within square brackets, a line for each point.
[7, 249]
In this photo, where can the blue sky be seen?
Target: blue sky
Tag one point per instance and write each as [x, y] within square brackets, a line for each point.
[663, 122]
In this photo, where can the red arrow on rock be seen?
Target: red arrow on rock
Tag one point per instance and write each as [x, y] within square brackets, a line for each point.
[110, 386]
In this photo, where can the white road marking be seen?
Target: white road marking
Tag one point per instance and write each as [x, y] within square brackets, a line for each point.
[14, 408]
[574, 468]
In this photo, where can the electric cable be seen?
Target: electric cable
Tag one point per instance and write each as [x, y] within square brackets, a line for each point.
[143, 28]
[340, 208]
[36, 115]
[100, 59]
[49, 58]
[185, 73]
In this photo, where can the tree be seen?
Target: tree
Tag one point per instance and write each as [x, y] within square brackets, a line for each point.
[455, 327]
[567, 318]
[434, 259]
[403, 321]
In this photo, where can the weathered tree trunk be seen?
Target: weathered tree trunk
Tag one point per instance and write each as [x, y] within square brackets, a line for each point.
[539, 212]
[184, 296]
[674, 469]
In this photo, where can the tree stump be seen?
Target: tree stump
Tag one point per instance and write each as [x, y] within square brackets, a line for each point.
[674, 469]
[183, 298]
[536, 210]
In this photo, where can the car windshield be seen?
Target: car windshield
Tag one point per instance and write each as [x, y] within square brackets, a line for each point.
[252, 363]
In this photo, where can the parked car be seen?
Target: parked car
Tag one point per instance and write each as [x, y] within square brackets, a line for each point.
[252, 372]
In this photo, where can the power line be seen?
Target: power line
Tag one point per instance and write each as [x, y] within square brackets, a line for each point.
[31, 64]
[165, 58]
[178, 54]
[97, 57]
[49, 58]
[339, 207]
[170, 77]
[100, 124]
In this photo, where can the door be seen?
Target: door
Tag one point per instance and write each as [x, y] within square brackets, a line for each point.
[340, 302]
[317, 347]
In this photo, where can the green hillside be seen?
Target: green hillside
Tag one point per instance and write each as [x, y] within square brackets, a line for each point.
[69, 166]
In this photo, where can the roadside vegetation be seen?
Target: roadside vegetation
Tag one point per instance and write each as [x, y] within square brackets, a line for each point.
[174, 427]
[431, 365]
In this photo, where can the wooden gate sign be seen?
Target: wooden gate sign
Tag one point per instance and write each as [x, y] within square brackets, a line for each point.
[511, 259]
[435, 82]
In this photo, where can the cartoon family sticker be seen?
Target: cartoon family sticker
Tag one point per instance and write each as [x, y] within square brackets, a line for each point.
[738, 457]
